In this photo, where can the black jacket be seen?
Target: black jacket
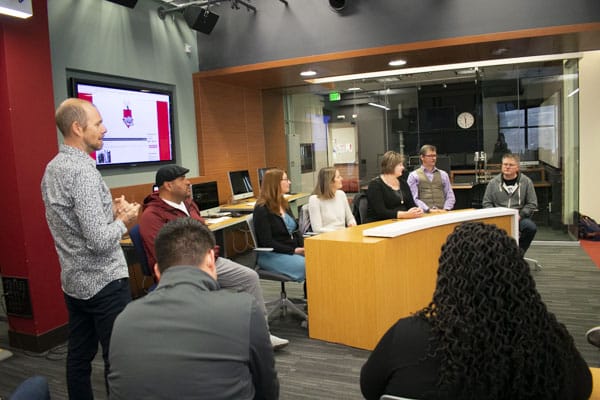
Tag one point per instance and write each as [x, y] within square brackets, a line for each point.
[384, 202]
[271, 231]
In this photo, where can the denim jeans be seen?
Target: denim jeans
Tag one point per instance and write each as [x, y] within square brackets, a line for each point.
[34, 388]
[90, 322]
[527, 231]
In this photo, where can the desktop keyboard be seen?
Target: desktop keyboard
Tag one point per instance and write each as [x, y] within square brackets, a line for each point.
[211, 220]
[220, 214]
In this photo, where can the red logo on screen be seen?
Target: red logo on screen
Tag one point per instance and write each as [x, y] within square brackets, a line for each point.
[127, 117]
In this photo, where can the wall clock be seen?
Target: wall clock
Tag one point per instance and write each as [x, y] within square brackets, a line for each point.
[465, 120]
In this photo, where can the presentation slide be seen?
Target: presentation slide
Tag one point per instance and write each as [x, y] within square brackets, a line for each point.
[137, 122]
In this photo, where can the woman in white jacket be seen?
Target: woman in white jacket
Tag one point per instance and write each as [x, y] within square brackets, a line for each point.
[328, 207]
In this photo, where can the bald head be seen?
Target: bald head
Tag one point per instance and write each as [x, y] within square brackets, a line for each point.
[70, 111]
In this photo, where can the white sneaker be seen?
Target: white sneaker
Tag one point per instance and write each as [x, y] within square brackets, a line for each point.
[278, 343]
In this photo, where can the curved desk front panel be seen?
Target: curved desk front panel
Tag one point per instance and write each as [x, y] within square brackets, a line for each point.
[358, 286]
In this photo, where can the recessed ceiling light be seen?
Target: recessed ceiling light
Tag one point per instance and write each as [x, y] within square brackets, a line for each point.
[397, 63]
[353, 89]
[308, 73]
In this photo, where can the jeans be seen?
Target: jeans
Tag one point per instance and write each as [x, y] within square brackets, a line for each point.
[90, 322]
[34, 388]
[527, 230]
[292, 265]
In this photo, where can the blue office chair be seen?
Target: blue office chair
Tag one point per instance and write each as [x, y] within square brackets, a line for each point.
[138, 245]
[283, 304]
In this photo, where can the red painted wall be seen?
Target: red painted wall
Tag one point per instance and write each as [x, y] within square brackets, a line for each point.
[28, 140]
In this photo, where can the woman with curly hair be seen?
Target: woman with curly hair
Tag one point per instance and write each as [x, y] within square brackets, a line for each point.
[485, 335]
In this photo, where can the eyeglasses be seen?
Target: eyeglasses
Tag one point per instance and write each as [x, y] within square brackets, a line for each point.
[509, 165]
[430, 155]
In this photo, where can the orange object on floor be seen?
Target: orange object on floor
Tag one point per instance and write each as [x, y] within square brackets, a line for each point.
[593, 249]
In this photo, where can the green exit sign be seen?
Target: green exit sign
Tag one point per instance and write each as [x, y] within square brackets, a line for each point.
[334, 96]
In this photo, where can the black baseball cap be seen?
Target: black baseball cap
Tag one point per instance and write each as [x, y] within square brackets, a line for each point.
[169, 173]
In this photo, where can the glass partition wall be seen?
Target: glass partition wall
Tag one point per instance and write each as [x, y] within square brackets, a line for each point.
[529, 109]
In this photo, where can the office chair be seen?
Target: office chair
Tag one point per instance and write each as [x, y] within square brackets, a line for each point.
[476, 194]
[304, 221]
[360, 205]
[283, 303]
[392, 397]
[138, 245]
[593, 336]
[532, 261]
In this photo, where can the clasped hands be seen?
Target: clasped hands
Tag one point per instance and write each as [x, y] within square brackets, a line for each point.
[125, 211]
[413, 212]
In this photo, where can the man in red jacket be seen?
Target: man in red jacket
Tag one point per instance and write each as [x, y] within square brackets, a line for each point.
[173, 200]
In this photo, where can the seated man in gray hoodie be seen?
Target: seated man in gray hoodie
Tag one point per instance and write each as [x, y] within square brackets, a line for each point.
[512, 189]
[186, 339]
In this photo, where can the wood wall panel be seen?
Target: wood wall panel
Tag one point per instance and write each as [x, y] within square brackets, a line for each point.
[274, 125]
[230, 133]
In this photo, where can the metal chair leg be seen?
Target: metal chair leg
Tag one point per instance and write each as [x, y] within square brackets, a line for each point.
[534, 262]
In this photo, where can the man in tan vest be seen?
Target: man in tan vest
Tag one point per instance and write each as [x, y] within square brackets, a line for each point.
[431, 187]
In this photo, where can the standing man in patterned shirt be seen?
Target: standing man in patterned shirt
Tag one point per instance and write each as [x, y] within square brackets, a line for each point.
[86, 225]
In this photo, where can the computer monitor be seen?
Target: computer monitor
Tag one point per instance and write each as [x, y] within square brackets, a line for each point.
[205, 195]
[241, 188]
[261, 174]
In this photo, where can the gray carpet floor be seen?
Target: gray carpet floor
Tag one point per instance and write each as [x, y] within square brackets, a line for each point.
[310, 369]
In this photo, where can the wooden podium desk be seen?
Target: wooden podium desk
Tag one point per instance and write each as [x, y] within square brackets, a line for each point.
[358, 286]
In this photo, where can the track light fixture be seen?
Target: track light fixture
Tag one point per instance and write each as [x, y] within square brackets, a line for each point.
[200, 19]
[197, 13]
[338, 5]
[126, 3]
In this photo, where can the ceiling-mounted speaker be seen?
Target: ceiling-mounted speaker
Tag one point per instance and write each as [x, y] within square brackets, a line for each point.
[338, 5]
[126, 3]
[200, 19]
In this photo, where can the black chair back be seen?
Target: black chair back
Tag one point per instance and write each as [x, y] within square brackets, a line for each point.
[138, 245]
[477, 192]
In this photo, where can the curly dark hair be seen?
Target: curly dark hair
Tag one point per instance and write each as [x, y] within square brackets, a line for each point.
[490, 329]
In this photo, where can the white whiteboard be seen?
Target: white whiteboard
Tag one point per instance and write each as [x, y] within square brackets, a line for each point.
[343, 145]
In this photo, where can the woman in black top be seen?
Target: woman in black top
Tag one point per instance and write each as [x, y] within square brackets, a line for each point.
[486, 334]
[276, 227]
[388, 195]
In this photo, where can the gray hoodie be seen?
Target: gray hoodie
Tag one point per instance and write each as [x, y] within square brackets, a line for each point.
[523, 198]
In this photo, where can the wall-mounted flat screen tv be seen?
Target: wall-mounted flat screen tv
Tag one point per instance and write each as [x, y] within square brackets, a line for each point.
[138, 117]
